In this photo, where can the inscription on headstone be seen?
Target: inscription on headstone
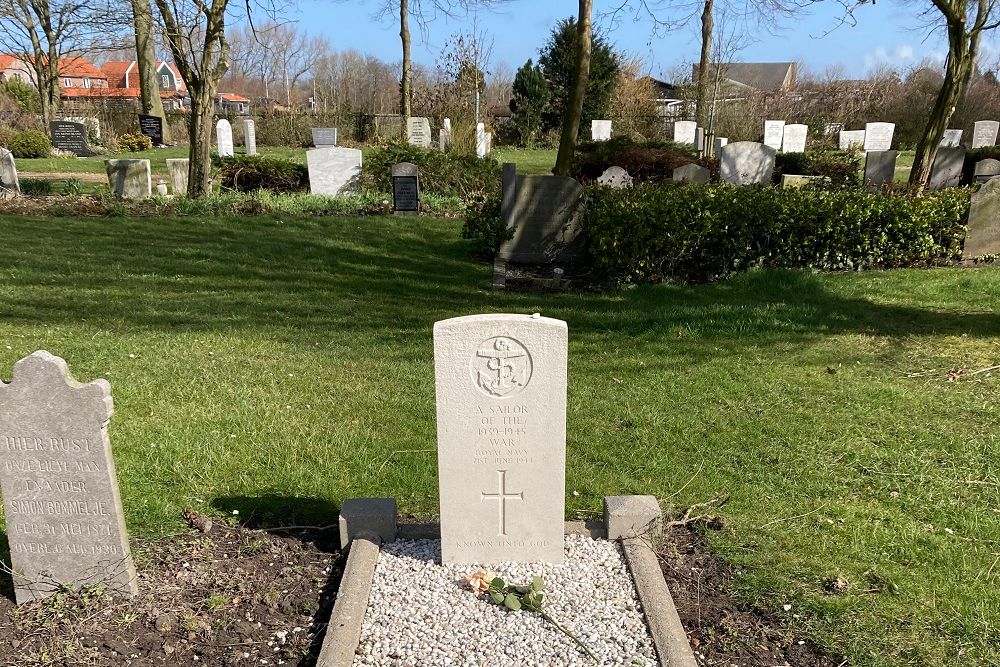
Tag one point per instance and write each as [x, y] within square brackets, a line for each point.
[152, 127]
[774, 133]
[64, 516]
[224, 138]
[405, 188]
[250, 136]
[501, 420]
[324, 136]
[418, 132]
[984, 133]
[878, 136]
[70, 136]
[983, 237]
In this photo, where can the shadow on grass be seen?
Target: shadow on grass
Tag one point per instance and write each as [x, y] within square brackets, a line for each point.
[301, 278]
[273, 511]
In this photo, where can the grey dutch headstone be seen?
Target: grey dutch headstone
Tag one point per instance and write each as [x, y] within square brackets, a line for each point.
[794, 138]
[615, 177]
[684, 131]
[699, 139]
[983, 237]
[224, 138]
[878, 136]
[64, 514]
[152, 127]
[501, 423]
[986, 169]
[746, 163]
[405, 188]
[946, 172]
[600, 130]
[324, 136]
[545, 216]
[774, 133]
[951, 139]
[250, 136]
[10, 187]
[333, 170]
[984, 133]
[418, 132]
[880, 167]
[129, 179]
[691, 173]
[851, 139]
[177, 169]
[719, 143]
[69, 136]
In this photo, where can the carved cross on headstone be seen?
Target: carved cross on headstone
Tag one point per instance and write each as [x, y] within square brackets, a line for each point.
[502, 497]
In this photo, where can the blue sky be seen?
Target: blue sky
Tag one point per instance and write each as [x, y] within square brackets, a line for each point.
[885, 34]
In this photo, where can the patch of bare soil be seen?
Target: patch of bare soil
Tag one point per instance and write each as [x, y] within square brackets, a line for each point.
[231, 596]
[721, 632]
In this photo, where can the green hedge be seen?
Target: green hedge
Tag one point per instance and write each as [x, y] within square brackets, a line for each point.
[248, 173]
[446, 174]
[648, 161]
[650, 233]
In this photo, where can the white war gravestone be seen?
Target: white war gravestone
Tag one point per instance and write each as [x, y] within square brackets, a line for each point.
[746, 163]
[481, 149]
[600, 130]
[851, 139]
[794, 138]
[60, 491]
[684, 131]
[332, 169]
[878, 136]
[984, 133]
[224, 138]
[501, 420]
[774, 133]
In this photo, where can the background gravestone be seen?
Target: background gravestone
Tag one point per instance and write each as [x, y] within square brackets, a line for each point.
[224, 138]
[984, 133]
[986, 169]
[880, 167]
[418, 132]
[794, 138]
[249, 136]
[545, 216]
[878, 136]
[746, 163]
[719, 143]
[129, 179]
[333, 170]
[480, 140]
[600, 130]
[69, 136]
[774, 133]
[849, 139]
[501, 423]
[691, 173]
[615, 177]
[64, 514]
[405, 188]
[10, 187]
[152, 127]
[177, 169]
[324, 136]
[983, 237]
[946, 171]
[951, 139]
[684, 131]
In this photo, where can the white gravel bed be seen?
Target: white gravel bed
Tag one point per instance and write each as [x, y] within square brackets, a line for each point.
[423, 614]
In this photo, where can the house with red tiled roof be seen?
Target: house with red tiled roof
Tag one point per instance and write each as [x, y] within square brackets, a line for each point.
[12, 67]
[77, 77]
[232, 103]
[123, 77]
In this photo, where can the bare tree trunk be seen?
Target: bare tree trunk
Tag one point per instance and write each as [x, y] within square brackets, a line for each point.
[574, 107]
[145, 52]
[962, 50]
[406, 83]
[200, 127]
[701, 90]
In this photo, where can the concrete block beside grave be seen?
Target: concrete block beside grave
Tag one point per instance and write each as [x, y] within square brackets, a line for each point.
[632, 516]
[367, 515]
[129, 179]
[177, 168]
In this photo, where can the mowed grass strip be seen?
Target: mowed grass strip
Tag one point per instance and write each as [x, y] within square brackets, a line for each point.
[277, 367]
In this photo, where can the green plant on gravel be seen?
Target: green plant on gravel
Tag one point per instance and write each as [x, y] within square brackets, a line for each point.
[72, 186]
[134, 143]
[215, 602]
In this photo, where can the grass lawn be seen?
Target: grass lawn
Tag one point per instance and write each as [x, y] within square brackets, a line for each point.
[528, 160]
[280, 366]
[158, 160]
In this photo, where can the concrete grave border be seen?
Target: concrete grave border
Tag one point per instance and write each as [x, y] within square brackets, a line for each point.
[631, 519]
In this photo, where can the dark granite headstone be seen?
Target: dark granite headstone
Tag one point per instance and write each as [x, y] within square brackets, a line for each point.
[946, 172]
[152, 127]
[69, 136]
[545, 216]
[880, 167]
[405, 188]
[983, 237]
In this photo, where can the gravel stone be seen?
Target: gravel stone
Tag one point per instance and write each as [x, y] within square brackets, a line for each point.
[421, 613]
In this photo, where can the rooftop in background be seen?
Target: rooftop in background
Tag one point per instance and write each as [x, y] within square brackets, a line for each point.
[760, 76]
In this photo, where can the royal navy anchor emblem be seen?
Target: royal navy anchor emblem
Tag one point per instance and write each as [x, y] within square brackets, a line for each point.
[501, 367]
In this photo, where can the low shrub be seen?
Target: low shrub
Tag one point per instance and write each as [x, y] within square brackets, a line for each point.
[134, 143]
[7, 134]
[841, 167]
[35, 187]
[448, 174]
[650, 233]
[30, 144]
[646, 161]
[247, 173]
[484, 223]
